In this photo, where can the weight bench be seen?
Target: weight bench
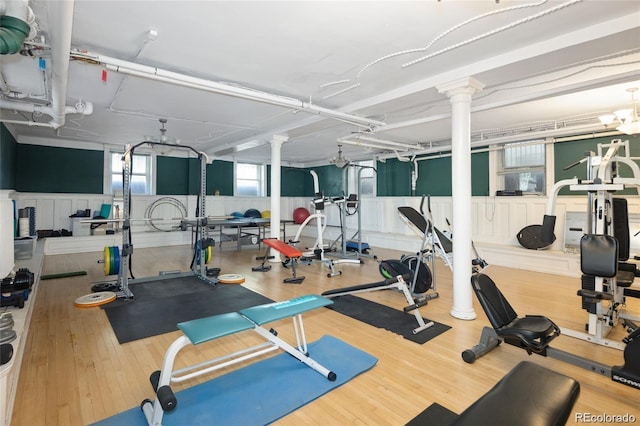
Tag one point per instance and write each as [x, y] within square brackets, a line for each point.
[291, 254]
[527, 395]
[210, 328]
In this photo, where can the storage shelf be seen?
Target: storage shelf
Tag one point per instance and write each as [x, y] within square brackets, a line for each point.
[10, 372]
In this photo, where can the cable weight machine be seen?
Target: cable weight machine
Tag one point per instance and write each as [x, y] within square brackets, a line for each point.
[605, 281]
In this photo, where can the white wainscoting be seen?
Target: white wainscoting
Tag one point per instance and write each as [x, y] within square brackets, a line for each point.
[495, 223]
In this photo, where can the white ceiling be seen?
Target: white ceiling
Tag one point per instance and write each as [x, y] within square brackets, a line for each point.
[543, 64]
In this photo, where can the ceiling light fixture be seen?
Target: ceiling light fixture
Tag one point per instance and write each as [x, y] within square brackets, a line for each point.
[340, 161]
[628, 117]
[161, 145]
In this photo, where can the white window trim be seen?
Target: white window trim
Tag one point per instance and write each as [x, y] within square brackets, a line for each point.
[151, 175]
[496, 171]
[262, 187]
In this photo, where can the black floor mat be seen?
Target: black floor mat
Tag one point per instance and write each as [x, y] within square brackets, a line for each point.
[434, 415]
[159, 305]
[381, 316]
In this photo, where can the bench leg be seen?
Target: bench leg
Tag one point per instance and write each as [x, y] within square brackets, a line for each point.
[296, 352]
[154, 411]
[294, 279]
[263, 267]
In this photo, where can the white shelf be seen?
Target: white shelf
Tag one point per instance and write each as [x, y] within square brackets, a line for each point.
[10, 372]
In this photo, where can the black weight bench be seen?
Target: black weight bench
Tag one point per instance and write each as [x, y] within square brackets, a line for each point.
[527, 395]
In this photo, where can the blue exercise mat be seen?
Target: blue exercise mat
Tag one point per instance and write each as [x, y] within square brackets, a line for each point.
[260, 393]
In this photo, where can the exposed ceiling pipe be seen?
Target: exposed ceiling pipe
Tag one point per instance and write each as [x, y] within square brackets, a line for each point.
[391, 144]
[158, 74]
[61, 17]
[16, 25]
[85, 108]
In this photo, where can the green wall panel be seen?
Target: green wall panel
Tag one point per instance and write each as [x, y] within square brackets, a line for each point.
[330, 180]
[181, 176]
[434, 177]
[7, 159]
[294, 182]
[172, 176]
[220, 177]
[480, 174]
[59, 170]
[393, 178]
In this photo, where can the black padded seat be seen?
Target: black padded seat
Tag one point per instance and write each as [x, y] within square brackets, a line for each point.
[530, 327]
[531, 332]
[529, 395]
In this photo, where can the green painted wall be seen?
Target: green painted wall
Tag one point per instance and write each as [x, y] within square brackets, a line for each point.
[393, 178]
[181, 176]
[220, 177]
[294, 182]
[58, 170]
[434, 176]
[8, 147]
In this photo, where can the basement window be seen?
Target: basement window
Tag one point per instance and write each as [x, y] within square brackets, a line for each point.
[250, 179]
[523, 167]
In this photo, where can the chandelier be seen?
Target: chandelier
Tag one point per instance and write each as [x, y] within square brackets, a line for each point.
[627, 118]
[340, 161]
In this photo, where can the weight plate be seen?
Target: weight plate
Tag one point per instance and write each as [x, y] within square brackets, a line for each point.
[116, 260]
[105, 286]
[7, 336]
[111, 260]
[106, 261]
[231, 278]
[95, 299]
[209, 254]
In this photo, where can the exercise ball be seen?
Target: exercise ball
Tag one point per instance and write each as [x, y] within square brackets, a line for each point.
[236, 214]
[266, 214]
[253, 213]
[300, 215]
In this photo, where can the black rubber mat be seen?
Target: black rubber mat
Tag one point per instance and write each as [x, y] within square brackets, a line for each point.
[382, 316]
[158, 306]
[433, 415]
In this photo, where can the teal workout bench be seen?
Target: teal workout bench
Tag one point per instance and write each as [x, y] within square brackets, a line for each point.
[205, 329]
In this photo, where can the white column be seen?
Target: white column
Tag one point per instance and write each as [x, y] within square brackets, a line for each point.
[276, 146]
[460, 93]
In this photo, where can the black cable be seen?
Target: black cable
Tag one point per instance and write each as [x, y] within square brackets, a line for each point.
[130, 252]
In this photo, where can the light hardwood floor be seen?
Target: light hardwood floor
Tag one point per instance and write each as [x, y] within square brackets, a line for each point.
[75, 372]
